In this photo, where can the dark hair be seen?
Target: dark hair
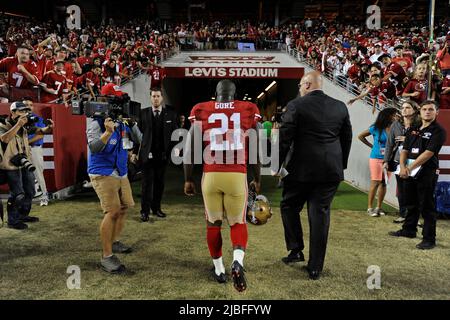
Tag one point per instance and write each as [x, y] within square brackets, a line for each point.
[416, 120]
[427, 102]
[155, 89]
[384, 119]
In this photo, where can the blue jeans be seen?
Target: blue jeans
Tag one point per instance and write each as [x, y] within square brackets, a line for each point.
[21, 188]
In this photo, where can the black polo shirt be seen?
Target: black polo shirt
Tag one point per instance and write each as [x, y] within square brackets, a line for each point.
[431, 138]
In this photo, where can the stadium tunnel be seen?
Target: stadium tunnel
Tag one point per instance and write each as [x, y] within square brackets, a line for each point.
[268, 79]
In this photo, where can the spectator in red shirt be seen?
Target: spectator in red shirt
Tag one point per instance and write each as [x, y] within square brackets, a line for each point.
[445, 93]
[393, 72]
[443, 57]
[417, 87]
[378, 90]
[403, 60]
[22, 72]
[85, 61]
[111, 89]
[54, 84]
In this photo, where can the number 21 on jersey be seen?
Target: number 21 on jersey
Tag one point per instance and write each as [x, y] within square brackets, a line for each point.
[225, 145]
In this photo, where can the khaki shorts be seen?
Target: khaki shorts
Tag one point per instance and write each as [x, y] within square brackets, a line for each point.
[114, 193]
[225, 194]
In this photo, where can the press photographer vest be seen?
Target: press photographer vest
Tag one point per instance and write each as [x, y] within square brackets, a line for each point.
[112, 157]
[18, 144]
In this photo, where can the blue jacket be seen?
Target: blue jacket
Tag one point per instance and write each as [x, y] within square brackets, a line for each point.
[112, 157]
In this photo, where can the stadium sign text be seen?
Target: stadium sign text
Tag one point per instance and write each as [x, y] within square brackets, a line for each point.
[216, 72]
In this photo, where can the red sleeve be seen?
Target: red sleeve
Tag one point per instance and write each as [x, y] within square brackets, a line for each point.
[409, 87]
[255, 114]
[395, 69]
[33, 69]
[192, 117]
[5, 64]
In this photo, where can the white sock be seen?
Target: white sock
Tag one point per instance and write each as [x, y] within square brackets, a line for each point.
[218, 264]
[108, 256]
[238, 255]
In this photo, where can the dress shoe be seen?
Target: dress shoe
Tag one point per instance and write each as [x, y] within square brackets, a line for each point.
[18, 226]
[426, 245]
[294, 256]
[159, 214]
[401, 233]
[144, 217]
[313, 274]
[29, 219]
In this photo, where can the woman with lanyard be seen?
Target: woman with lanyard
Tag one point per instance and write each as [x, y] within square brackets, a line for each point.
[409, 118]
[419, 166]
[379, 130]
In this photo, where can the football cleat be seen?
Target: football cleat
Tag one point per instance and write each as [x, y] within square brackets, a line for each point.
[237, 272]
[221, 278]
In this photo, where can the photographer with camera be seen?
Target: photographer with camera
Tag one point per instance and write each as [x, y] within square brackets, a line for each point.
[109, 144]
[39, 127]
[15, 163]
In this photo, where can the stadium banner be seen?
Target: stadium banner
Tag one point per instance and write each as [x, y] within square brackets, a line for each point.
[233, 65]
[234, 72]
[65, 149]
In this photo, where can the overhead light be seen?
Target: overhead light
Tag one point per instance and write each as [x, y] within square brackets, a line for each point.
[249, 99]
[261, 95]
[245, 98]
[213, 98]
[271, 85]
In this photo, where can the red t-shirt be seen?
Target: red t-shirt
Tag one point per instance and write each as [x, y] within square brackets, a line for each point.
[68, 70]
[420, 86]
[398, 74]
[223, 127]
[82, 61]
[445, 98]
[157, 74]
[15, 78]
[54, 81]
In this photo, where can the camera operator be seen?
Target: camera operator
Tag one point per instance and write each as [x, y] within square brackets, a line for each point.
[36, 141]
[107, 167]
[15, 162]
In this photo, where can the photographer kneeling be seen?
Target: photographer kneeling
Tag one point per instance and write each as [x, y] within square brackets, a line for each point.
[107, 167]
[15, 163]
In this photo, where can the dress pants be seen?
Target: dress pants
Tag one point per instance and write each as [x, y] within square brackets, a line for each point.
[419, 199]
[152, 185]
[318, 197]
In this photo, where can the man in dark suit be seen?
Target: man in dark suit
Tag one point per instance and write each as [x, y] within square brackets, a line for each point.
[156, 124]
[317, 128]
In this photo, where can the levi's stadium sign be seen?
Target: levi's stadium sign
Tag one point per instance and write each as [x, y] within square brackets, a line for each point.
[232, 65]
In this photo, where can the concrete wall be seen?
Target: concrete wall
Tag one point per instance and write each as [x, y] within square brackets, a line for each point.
[361, 118]
[139, 90]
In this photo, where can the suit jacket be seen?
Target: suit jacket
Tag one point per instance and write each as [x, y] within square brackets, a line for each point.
[170, 123]
[319, 130]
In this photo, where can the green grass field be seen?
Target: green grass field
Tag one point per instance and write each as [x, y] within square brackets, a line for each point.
[171, 258]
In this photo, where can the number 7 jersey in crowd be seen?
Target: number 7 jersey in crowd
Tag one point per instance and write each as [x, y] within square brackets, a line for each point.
[224, 127]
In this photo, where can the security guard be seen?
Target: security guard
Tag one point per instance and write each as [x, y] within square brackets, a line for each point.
[419, 165]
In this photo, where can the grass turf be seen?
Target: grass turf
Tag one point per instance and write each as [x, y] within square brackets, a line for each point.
[171, 258]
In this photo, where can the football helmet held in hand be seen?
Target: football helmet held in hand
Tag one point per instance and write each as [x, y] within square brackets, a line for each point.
[258, 208]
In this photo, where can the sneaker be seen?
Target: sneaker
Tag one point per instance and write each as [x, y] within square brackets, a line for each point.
[372, 212]
[237, 272]
[44, 202]
[87, 184]
[119, 247]
[221, 278]
[112, 265]
[426, 245]
[380, 212]
[399, 220]
[18, 226]
[401, 233]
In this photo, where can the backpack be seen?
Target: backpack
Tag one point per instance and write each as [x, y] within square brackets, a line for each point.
[442, 198]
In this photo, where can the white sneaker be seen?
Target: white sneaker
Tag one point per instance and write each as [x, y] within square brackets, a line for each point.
[372, 212]
[380, 212]
[44, 202]
[87, 184]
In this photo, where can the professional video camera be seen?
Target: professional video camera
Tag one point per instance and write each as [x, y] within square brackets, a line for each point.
[115, 108]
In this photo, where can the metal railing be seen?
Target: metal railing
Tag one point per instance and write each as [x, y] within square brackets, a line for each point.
[344, 82]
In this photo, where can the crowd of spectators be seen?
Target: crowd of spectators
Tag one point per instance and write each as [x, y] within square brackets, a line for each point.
[65, 62]
[379, 65]
[383, 65]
